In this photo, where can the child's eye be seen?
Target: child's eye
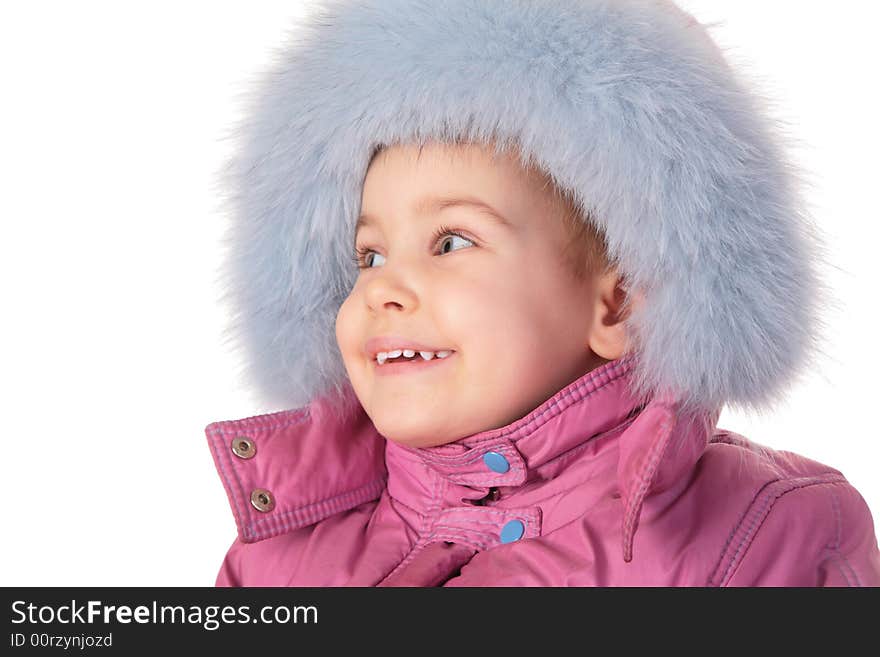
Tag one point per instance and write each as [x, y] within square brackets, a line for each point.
[362, 254]
[452, 237]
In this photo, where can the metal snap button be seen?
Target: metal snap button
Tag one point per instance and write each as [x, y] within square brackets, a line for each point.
[243, 447]
[262, 500]
[492, 496]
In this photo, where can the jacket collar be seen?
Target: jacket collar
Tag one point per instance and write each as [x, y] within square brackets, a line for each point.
[308, 457]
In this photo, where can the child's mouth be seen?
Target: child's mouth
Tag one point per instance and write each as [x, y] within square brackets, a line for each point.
[402, 364]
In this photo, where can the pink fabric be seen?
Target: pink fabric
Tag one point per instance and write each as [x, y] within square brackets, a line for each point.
[431, 566]
[608, 494]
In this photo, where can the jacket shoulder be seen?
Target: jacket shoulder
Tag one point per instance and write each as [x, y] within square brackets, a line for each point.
[805, 525]
[316, 555]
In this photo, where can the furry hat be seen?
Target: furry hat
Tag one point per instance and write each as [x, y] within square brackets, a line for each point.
[627, 104]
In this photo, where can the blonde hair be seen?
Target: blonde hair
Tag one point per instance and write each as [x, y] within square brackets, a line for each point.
[586, 249]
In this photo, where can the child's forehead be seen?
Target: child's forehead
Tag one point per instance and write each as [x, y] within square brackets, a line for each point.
[454, 170]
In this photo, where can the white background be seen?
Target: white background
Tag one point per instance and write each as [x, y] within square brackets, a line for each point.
[110, 133]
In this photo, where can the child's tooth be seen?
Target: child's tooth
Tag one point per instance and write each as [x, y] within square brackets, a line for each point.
[395, 353]
[443, 354]
[427, 355]
[381, 357]
[409, 353]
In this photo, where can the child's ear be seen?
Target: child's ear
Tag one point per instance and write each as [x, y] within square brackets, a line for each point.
[608, 336]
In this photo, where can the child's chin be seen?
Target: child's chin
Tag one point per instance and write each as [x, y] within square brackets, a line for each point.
[413, 436]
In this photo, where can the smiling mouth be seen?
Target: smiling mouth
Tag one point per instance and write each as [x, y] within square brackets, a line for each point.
[417, 357]
[400, 364]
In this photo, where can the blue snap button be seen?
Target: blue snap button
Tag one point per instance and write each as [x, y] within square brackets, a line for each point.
[512, 531]
[496, 462]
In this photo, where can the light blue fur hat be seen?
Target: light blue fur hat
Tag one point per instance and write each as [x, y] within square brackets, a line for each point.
[628, 104]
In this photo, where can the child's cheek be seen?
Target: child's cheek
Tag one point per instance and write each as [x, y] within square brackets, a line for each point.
[345, 332]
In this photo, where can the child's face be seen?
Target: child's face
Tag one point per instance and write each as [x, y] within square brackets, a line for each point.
[501, 297]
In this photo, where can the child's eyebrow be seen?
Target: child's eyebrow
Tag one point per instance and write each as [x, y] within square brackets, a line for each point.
[436, 204]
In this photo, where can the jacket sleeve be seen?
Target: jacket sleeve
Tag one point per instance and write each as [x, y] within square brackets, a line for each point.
[321, 554]
[853, 558]
[230, 568]
[276, 561]
[813, 535]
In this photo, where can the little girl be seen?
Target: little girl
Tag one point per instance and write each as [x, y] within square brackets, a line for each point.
[575, 238]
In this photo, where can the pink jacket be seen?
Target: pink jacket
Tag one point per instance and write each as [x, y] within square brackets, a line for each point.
[587, 489]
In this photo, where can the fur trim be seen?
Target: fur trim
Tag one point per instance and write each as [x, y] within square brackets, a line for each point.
[627, 103]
